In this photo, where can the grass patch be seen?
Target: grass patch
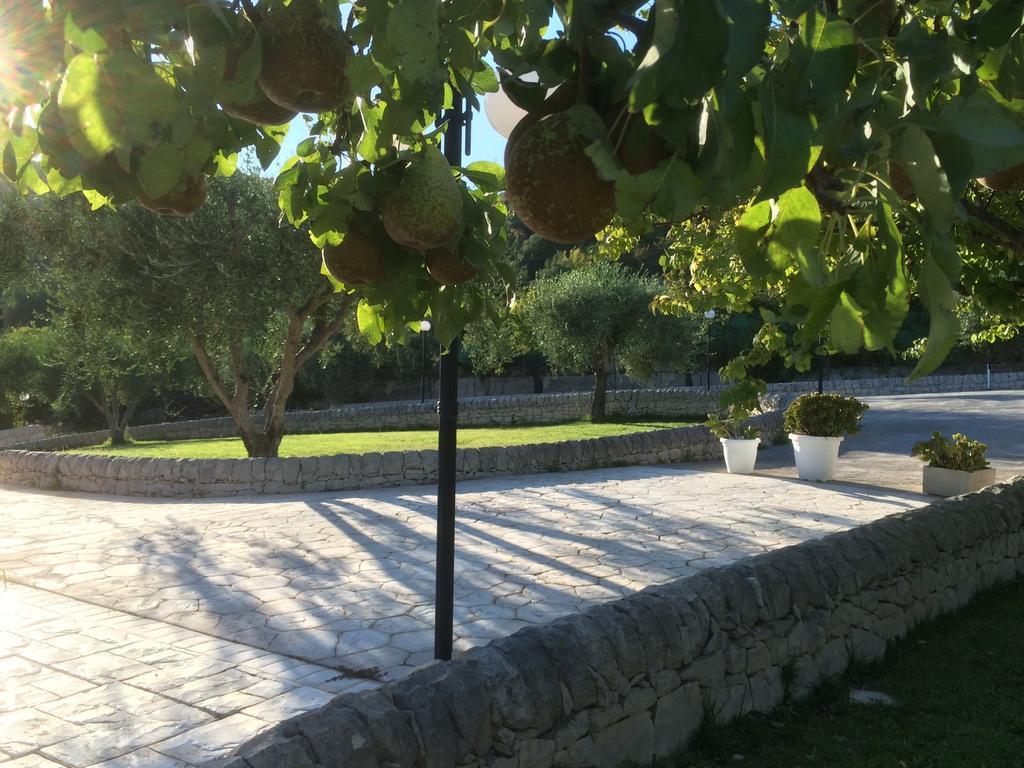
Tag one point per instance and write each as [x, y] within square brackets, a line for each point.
[365, 442]
[959, 684]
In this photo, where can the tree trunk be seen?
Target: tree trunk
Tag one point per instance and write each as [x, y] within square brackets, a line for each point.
[598, 405]
[538, 383]
[263, 440]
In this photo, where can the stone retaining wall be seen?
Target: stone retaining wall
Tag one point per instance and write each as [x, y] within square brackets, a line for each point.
[631, 680]
[184, 478]
[23, 435]
[669, 402]
[473, 412]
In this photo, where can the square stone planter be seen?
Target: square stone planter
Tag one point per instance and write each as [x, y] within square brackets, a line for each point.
[939, 481]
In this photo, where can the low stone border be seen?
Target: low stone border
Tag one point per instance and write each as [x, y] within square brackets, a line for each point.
[631, 680]
[188, 478]
[664, 402]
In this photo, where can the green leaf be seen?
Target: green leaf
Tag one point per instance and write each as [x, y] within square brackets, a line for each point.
[825, 57]
[792, 145]
[749, 236]
[845, 325]
[362, 74]
[485, 80]
[370, 322]
[114, 100]
[916, 155]
[793, 8]
[939, 299]
[993, 134]
[643, 84]
[412, 40]
[1000, 23]
[160, 170]
[679, 192]
[490, 177]
[685, 63]
[749, 23]
[795, 235]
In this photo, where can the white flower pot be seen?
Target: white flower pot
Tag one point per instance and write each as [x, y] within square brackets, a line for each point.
[815, 456]
[939, 481]
[740, 455]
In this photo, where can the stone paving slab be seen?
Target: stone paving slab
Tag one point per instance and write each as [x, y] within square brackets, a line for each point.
[153, 633]
[82, 685]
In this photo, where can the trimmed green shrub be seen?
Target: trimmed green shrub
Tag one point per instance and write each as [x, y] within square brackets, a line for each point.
[824, 415]
[959, 453]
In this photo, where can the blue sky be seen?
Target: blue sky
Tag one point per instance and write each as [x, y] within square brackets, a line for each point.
[488, 144]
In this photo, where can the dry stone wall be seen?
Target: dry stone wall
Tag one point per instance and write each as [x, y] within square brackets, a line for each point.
[508, 410]
[23, 435]
[632, 680]
[233, 477]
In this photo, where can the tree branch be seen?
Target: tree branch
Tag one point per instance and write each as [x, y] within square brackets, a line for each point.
[210, 372]
[1006, 232]
[322, 332]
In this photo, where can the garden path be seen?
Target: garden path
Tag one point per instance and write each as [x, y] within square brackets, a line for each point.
[160, 634]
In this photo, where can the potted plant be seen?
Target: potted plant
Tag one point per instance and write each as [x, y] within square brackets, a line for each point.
[954, 466]
[816, 424]
[739, 440]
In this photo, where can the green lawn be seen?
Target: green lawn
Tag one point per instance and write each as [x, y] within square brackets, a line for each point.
[959, 684]
[363, 442]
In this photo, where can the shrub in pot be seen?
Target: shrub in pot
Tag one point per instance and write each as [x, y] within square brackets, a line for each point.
[817, 424]
[739, 440]
[955, 466]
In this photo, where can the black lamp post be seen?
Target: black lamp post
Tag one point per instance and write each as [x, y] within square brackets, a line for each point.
[457, 119]
[709, 316]
[424, 329]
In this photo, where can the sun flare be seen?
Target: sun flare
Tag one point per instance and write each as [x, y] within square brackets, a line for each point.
[30, 51]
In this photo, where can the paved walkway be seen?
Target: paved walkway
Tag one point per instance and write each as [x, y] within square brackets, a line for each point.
[152, 634]
[155, 634]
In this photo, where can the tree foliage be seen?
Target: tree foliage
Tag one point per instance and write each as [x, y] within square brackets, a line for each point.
[583, 319]
[825, 124]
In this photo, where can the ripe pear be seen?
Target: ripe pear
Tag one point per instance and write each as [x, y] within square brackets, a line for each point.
[638, 147]
[425, 210]
[447, 268]
[1008, 180]
[901, 183]
[304, 56]
[259, 110]
[552, 184]
[359, 259]
[183, 202]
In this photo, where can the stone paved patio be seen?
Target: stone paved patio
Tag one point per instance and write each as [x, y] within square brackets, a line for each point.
[151, 634]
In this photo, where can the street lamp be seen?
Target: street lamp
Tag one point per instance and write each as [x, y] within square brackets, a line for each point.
[709, 316]
[504, 114]
[424, 328]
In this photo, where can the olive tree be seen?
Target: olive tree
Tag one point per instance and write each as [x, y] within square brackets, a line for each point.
[582, 318]
[237, 287]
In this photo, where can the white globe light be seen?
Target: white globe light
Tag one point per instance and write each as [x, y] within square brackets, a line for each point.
[424, 325]
[502, 113]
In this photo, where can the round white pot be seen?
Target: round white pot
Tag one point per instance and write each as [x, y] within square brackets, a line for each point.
[815, 456]
[740, 455]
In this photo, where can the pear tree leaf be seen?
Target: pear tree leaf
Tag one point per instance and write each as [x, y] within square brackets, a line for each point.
[846, 325]
[916, 155]
[160, 169]
[940, 300]
[792, 144]
[825, 57]
[114, 100]
[490, 177]
[795, 235]
[750, 232]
